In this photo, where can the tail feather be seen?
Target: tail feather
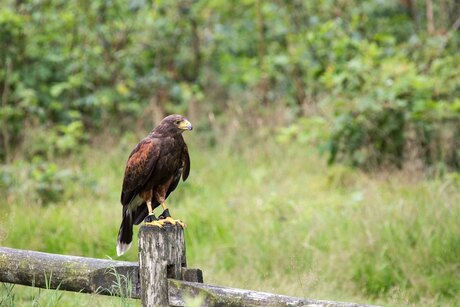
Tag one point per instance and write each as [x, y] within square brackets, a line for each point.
[125, 234]
[140, 214]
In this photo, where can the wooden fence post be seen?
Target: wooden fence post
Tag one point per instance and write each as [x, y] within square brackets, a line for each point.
[161, 256]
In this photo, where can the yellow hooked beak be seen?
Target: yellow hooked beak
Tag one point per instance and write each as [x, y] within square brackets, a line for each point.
[185, 125]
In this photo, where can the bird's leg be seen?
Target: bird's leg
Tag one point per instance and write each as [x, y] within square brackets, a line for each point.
[151, 219]
[166, 217]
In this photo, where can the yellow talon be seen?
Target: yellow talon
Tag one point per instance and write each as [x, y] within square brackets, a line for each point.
[155, 223]
[173, 221]
[169, 220]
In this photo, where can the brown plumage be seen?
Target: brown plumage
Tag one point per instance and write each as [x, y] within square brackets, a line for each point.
[153, 171]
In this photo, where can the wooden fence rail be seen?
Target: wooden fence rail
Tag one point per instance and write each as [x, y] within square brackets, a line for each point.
[160, 278]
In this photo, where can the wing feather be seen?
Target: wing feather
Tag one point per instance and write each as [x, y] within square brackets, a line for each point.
[183, 171]
[140, 166]
[185, 163]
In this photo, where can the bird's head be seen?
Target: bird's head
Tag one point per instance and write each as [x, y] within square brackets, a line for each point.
[174, 124]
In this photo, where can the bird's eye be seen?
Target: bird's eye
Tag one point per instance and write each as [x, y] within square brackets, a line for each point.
[177, 122]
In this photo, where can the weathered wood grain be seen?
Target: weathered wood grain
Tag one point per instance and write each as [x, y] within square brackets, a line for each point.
[161, 256]
[80, 274]
[69, 273]
[232, 297]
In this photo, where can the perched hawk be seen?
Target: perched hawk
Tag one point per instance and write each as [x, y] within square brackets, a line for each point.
[153, 171]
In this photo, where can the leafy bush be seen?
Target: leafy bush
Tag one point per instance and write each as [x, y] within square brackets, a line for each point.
[392, 93]
[398, 106]
[43, 183]
[50, 181]
[389, 86]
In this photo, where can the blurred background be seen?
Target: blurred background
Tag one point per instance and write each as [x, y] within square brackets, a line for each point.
[325, 155]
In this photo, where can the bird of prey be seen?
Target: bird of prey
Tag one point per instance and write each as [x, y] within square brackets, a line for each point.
[153, 171]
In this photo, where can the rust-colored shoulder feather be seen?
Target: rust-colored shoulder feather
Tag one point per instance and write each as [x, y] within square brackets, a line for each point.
[141, 164]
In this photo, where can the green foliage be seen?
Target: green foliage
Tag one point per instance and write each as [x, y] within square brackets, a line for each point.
[344, 234]
[387, 86]
[42, 182]
[392, 93]
[371, 83]
[122, 287]
[389, 106]
[7, 295]
[51, 181]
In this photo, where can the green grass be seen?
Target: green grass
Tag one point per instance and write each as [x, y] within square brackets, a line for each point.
[264, 216]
